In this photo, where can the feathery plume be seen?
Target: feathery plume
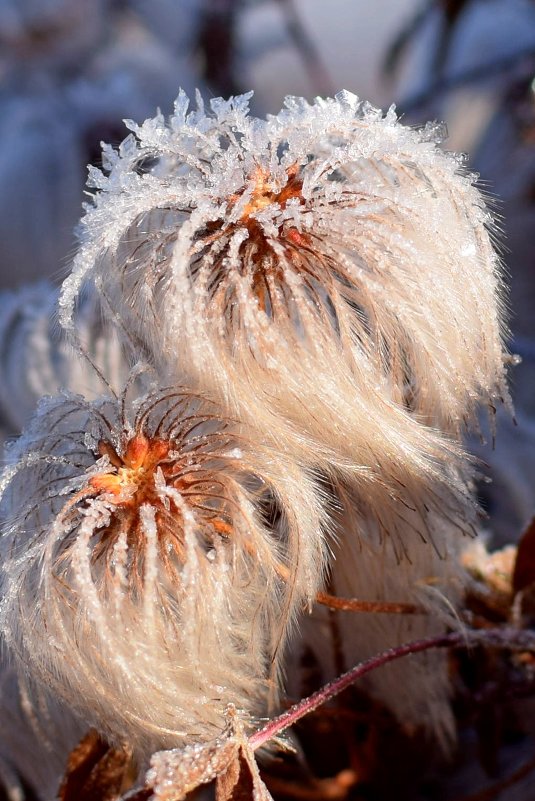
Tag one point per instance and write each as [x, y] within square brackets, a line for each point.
[329, 261]
[419, 567]
[329, 275]
[153, 560]
[36, 735]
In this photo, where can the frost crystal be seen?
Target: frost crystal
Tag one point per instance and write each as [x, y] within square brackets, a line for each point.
[147, 576]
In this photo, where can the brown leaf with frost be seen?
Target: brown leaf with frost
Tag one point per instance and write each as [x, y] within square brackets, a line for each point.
[96, 771]
[229, 760]
[241, 780]
[175, 773]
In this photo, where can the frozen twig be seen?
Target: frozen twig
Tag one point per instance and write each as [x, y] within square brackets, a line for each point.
[494, 638]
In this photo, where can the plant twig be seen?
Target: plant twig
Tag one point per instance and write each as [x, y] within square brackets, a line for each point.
[442, 86]
[318, 74]
[356, 605]
[495, 638]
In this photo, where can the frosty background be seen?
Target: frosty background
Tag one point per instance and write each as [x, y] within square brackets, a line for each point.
[71, 70]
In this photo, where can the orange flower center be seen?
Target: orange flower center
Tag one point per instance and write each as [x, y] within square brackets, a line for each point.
[131, 483]
[264, 195]
[132, 478]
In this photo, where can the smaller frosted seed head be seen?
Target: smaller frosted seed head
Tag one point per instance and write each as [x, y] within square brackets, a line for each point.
[153, 563]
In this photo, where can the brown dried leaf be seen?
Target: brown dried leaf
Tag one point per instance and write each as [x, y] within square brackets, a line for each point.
[229, 760]
[175, 773]
[524, 570]
[241, 781]
[235, 783]
[144, 794]
[95, 771]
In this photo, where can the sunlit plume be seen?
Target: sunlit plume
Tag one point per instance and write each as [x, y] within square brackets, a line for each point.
[407, 555]
[326, 265]
[154, 563]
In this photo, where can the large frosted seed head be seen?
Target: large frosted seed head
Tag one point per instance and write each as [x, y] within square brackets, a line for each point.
[36, 359]
[328, 232]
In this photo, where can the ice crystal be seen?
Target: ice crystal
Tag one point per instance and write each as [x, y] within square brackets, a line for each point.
[151, 570]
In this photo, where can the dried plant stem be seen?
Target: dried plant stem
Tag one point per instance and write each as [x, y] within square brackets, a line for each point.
[495, 638]
[318, 73]
[442, 86]
[377, 607]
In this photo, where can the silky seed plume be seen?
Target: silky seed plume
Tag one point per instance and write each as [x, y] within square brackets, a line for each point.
[329, 275]
[147, 577]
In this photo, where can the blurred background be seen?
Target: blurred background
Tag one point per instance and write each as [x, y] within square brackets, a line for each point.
[71, 70]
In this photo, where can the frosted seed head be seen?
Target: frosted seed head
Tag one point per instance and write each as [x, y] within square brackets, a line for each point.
[328, 229]
[37, 360]
[144, 576]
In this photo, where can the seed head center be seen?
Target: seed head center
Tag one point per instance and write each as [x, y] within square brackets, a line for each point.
[132, 477]
[264, 195]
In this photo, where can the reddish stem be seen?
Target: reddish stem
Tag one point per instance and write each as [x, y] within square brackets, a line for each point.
[498, 638]
[375, 607]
